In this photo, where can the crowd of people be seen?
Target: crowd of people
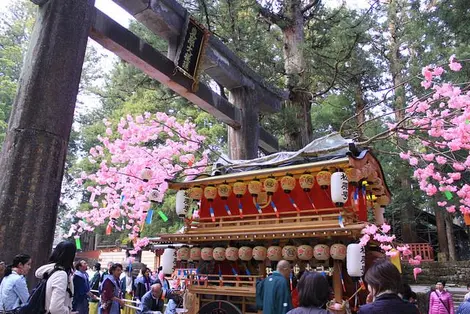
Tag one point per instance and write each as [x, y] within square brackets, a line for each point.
[69, 290]
[387, 293]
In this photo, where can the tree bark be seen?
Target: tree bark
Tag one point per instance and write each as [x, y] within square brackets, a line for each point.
[33, 154]
[407, 214]
[441, 233]
[243, 142]
[450, 236]
[294, 66]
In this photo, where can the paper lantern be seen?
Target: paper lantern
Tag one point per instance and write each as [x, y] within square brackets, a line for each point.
[195, 193]
[321, 252]
[146, 174]
[195, 253]
[219, 253]
[167, 261]
[153, 196]
[245, 253]
[210, 192]
[338, 251]
[182, 203]
[306, 182]
[354, 175]
[183, 253]
[355, 260]
[339, 188]
[270, 185]
[255, 187]
[206, 254]
[231, 253]
[239, 189]
[289, 253]
[224, 191]
[324, 179]
[288, 183]
[259, 253]
[274, 253]
[305, 252]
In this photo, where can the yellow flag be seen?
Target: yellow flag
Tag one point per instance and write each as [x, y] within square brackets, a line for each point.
[396, 259]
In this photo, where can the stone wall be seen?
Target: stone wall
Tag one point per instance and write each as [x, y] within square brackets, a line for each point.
[452, 272]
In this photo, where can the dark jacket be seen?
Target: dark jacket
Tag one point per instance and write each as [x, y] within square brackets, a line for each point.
[151, 304]
[388, 304]
[123, 284]
[275, 294]
[142, 286]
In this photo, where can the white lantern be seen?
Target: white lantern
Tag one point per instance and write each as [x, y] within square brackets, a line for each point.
[195, 253]
[338, 251]
[305, 252]
[339, 188]
[219, 254]
[259, 253]
[245, 253]
[355, 260]
[146, 174]
[168, 261]
[321, 252]
[182, 203]
[274, 253]
[182, 254]
[206, 254]
[289, 253]
[231, 253]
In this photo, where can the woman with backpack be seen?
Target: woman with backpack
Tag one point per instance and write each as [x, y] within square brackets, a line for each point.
[59, 286]
[13, 289]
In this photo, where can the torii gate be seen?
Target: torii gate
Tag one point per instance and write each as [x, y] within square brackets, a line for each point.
[33, 154]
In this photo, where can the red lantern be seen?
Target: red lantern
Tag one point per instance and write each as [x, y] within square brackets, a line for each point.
[146, 174]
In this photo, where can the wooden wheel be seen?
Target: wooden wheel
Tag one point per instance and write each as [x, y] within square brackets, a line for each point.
[219, 307]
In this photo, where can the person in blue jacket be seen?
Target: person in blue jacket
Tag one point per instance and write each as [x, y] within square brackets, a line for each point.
[274, 292]
[81, 285]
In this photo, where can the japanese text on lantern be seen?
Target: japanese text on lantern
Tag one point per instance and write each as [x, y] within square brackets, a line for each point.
[344, 186]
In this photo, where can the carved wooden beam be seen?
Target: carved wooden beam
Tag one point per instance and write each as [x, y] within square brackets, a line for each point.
[165, 18]
[137, 52]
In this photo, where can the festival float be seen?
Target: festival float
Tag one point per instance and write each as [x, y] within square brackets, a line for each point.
[307, 207]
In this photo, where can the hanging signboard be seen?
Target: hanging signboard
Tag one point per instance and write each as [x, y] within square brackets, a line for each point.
[191, 50]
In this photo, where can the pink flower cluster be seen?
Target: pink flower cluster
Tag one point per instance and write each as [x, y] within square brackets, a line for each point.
[440, 125]
[119, 197]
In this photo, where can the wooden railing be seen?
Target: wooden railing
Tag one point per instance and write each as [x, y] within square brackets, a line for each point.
[323, 217]
[423, 249]
[240, 285]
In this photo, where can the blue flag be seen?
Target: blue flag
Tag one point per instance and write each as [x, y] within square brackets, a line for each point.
[148, 220]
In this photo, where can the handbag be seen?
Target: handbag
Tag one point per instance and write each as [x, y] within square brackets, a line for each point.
[447, 309]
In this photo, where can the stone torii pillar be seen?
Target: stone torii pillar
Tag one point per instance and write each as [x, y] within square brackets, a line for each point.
[33, 155]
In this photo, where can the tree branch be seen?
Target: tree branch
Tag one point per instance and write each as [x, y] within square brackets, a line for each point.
[312, 4]
[272, 18]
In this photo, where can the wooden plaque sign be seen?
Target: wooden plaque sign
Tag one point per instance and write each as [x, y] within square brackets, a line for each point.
[191, 50]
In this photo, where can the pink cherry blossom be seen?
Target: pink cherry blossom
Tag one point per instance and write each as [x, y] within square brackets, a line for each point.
[120, 198]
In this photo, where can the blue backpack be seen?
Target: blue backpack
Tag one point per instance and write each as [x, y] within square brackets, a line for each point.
[37, 300]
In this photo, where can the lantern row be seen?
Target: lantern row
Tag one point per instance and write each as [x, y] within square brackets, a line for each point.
[354, 254]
